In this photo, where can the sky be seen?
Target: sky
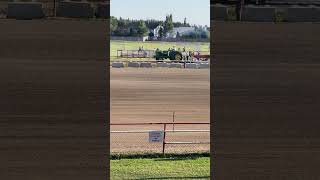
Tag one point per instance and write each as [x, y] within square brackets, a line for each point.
[196, 11]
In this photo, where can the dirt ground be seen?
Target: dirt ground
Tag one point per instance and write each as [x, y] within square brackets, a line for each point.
[151, 95]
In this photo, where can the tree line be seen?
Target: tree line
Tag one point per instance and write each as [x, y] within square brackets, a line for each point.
[140, 28]
[198, 33]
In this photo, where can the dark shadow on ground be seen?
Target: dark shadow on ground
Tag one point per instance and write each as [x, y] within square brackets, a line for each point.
[166, 157]
[178, 158]
[190, 177]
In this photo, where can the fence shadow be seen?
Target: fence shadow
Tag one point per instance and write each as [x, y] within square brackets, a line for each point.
[178, 158]
[166, 157]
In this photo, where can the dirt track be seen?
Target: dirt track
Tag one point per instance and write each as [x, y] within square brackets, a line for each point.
[151, 95]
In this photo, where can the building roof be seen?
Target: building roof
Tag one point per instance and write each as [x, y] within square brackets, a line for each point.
[183, 30]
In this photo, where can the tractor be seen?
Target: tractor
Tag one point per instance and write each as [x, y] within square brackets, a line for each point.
[169, 54]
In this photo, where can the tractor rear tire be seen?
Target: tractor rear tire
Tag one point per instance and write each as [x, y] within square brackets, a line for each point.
[178, 57]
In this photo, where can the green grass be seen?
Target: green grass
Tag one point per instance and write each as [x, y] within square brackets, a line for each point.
[156, 167]
[134, 45]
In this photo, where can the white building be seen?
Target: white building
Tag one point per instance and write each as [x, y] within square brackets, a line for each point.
[156, 31]
[181, 30]
[173, 34]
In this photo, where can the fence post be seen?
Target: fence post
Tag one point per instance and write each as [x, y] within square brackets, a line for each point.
[173, 115]
[164, 138]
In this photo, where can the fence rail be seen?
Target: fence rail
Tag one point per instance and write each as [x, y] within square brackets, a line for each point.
[151, 53]
[172, 123]
[146, 131]
[135, 53]
[137, 136]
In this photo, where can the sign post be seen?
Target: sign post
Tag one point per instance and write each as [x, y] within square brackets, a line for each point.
[164, 138]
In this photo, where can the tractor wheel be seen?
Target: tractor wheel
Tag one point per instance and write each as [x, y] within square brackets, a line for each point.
[178, 56]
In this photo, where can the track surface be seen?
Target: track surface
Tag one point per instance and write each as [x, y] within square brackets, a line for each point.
[151, 95]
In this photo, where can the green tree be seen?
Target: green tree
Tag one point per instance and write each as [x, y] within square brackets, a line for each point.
[122, 28]
[133, 32]
[151, 35]
[142, 29]
[161, 33]
[168, 24]
[152, 24]
[178, 35]
[113, 24]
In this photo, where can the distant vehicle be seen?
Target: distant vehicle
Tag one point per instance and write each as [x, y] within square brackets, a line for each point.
[171, 54]
[200, 56]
